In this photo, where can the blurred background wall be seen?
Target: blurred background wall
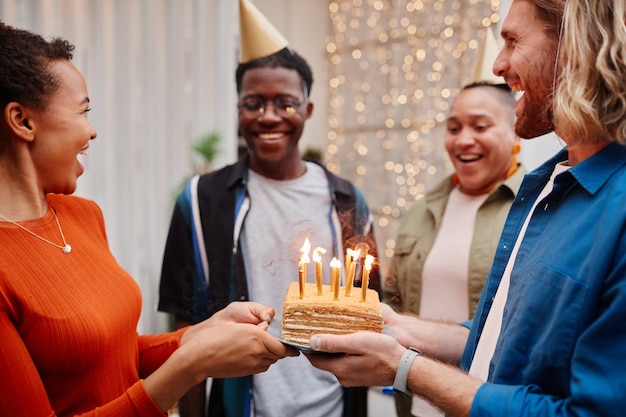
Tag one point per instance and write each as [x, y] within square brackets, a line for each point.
[160, 74]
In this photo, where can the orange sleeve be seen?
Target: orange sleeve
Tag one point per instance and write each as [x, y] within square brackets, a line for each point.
[22, 392]
[155, 349]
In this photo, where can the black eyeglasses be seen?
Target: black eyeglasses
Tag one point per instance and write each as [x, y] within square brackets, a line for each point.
[285, 105]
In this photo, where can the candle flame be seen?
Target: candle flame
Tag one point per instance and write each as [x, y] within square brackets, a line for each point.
[335, 263]
[369, 260]
[353, 253]
[304, 252]
[317, 254]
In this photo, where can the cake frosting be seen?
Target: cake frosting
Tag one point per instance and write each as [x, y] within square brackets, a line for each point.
[304, 317]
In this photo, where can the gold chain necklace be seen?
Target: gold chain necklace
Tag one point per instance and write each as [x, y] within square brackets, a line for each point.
[65, 248]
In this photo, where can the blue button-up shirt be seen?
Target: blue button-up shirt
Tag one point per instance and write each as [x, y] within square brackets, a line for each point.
[562, 348]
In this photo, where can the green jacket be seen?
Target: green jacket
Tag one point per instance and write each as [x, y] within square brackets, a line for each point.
[403, 286]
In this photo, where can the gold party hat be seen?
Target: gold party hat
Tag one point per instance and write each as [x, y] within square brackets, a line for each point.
[483, 71]
[259, 38]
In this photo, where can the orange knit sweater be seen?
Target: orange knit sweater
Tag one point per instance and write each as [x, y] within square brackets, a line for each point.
[68, 322]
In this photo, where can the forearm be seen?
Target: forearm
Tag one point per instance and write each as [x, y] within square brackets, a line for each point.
[374, 359]
[216, 348]
[187, 398]
[444, 342]
[173, 379]
[444, 385]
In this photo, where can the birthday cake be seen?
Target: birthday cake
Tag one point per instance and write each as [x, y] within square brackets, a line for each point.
[312, 314]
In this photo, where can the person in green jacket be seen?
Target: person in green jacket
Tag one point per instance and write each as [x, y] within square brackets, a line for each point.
[447, 240]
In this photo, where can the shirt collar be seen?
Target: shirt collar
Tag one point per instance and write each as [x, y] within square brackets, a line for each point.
[593, 172]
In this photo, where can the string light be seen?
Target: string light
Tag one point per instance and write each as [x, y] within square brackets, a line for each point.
[395, 67]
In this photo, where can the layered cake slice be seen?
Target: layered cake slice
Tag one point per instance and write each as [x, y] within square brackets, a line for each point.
[312, 314]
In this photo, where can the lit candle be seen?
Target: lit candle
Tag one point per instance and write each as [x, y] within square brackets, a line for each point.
[335, 276]
[317, 258]
[354, 254]
[365, 277]
[302, 261]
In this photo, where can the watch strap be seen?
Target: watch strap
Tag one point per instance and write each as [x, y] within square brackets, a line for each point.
[402, 373]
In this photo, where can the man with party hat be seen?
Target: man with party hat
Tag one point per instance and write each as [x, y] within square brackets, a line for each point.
[236, 232]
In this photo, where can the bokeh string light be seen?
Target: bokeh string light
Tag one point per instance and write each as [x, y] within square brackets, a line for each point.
[395, 66]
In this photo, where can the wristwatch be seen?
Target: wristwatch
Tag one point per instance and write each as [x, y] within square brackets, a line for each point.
[402, 373]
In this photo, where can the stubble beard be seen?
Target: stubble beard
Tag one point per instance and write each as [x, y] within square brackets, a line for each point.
[537, 118]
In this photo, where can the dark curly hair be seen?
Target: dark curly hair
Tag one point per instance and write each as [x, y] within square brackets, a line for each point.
[285, 58]
[25, 75]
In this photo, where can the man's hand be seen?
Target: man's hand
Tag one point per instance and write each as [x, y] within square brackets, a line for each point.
[369, 359]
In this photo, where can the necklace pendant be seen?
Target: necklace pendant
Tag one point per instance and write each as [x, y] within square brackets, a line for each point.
[65, 248]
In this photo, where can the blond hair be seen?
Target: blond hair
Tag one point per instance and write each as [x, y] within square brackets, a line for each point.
[590, 95]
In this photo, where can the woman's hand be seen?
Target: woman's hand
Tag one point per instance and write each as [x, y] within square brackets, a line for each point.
[233, 342]
[235, 312]
[235, 349]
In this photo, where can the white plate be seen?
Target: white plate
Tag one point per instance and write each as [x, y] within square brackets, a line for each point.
[301, 348]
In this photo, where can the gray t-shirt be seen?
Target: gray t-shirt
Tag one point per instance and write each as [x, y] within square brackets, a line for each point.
[282, 214]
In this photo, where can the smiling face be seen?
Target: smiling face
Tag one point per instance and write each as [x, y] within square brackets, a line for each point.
[527, 63]
[479, 138]
[272, 139]
[61, 132]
